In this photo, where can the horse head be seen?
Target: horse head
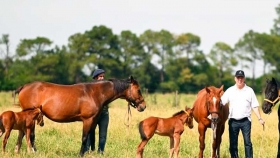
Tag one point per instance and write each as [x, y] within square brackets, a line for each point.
[189, 120]
[134, 95]
[40, 120]
[272, 95]
[213, 102]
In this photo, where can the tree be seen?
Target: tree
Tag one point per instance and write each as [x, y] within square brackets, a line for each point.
[247, 49]
[223, 58]
[187, 43]
[276, 25]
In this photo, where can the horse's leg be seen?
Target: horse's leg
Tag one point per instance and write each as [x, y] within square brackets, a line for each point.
[86, 128]
[32, 138]
[19, 141]
[219, 139]
[214, 143]
[140, 148]
[177, 144]
[171, 148]
[28, 141]
[201, 131]
[5, 139]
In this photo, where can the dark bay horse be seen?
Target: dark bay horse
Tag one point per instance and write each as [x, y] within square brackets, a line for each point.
[208, 113]
[272, 97]
[79, 102]
[172, 127]
[24, 122]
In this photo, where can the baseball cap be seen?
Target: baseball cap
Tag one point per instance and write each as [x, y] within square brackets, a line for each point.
[239, 73]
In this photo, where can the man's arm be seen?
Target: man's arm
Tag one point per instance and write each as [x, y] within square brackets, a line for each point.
[257, 112]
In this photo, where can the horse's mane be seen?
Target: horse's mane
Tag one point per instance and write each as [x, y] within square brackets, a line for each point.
[120, 84]
[29, 109]
[277, 83]
[178, 113]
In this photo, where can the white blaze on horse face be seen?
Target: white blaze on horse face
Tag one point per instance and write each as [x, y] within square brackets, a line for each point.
[214, 100]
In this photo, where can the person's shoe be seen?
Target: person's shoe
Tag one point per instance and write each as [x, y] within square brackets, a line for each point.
[100, 152]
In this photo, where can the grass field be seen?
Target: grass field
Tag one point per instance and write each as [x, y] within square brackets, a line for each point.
[56, 140]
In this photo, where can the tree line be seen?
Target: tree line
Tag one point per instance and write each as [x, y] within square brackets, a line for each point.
[159, 60]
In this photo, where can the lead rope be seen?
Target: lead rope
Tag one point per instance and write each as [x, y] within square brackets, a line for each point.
[261, 143]
[127, 124]
[128, 114]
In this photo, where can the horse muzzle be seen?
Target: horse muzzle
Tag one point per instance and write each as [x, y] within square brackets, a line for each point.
[214, 118]
[267, 108]
[141, 107]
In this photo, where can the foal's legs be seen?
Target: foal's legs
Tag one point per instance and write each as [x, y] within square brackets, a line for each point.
[176, 144]
[171, 149]
[5, 139]
[19, 141]
[28, 142]
[140, 148]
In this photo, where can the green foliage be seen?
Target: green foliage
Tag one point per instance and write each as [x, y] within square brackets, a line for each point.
[159, 60]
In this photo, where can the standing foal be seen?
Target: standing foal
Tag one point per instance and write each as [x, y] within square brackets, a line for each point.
[172, 127]
[24, 122]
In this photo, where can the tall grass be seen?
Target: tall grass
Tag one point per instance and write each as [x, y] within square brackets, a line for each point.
[56, 140]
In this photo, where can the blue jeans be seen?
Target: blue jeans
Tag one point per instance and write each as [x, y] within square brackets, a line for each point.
[102, 123]
[234, 127]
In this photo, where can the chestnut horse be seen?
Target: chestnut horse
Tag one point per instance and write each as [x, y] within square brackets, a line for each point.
[209, 113]
[172, 127]
[24, 122]
[272, 96]
[79, 102]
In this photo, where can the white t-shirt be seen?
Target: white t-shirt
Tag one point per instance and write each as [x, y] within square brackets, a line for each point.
[241, 101]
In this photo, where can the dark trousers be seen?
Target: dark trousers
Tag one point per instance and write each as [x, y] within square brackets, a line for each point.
[234, 127]
[102, 123]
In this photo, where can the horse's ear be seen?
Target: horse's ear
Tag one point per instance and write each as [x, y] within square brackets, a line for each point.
[267, 80]
[207, 90]
[222, 88]
[131, 78]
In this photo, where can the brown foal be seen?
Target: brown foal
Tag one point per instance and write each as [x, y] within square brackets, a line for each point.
[24, 122]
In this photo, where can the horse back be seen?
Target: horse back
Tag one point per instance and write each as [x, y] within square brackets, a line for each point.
[39, 93]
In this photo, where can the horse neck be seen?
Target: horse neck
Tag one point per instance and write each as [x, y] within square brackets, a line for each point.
[108, 92]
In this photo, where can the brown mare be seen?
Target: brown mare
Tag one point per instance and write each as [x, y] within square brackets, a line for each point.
[172, 127]
[79, 102]
[24, 122]
[208, 113]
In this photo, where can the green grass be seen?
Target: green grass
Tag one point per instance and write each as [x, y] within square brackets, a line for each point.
[56, 140]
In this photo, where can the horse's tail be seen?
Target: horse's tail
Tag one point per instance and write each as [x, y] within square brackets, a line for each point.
[142, 134]
[15, 92]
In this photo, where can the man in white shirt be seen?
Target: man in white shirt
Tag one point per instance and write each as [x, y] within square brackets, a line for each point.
[242, 100]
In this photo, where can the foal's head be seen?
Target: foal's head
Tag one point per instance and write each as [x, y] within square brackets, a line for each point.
[189, 120]
[272, 95]
[213, 100]
[40, 119]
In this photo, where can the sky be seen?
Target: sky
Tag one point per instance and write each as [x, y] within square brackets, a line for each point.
[212, 20]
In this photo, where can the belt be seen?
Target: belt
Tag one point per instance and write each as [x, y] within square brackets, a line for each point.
[239, 120]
